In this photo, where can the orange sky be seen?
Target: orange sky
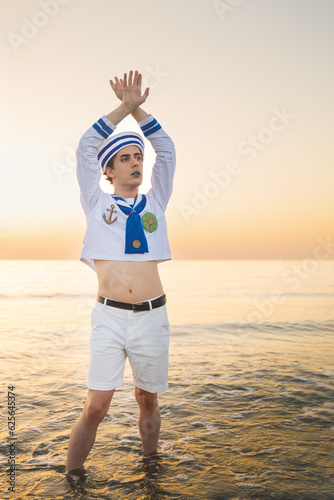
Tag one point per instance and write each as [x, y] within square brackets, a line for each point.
[245, 94]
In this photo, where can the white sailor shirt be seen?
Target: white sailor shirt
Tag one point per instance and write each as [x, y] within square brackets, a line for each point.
[105, 241]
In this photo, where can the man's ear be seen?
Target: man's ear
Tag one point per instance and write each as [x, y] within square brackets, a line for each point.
[110, 172]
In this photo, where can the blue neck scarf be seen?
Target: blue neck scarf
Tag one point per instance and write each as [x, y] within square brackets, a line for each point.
[135, 239]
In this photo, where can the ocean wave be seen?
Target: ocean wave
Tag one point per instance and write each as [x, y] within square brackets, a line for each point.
[279, 326]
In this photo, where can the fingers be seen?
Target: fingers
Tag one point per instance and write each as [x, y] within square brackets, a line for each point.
[134, 79]
[137, 79]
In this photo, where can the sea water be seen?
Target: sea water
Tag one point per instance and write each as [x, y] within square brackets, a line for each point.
[250, 406]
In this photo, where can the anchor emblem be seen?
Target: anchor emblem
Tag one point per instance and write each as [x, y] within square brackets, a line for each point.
[112, 211]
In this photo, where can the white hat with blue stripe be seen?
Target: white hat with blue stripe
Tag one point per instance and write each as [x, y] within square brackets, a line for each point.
[114, 143]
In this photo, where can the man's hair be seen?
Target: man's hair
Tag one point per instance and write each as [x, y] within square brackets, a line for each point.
[110, 164]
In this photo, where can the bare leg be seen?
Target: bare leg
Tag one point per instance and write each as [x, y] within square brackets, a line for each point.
[84, 430]
[149, 420]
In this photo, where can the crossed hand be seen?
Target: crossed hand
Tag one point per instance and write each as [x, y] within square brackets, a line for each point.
[129, 92]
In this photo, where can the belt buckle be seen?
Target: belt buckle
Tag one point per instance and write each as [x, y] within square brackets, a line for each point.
[134, 307]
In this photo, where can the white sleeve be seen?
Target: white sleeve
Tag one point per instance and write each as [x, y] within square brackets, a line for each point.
[164, 167]
[88, 167]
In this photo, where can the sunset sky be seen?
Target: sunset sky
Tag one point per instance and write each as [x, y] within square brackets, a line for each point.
[245, 89]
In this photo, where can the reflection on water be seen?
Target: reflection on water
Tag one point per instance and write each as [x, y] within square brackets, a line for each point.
[249, 410]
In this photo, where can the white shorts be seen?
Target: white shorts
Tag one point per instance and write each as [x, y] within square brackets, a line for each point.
[142, 336]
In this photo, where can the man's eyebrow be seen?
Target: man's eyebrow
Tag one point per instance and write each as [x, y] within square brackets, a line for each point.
[129, 155]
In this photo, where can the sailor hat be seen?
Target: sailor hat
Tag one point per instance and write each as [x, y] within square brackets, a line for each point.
[114, 143]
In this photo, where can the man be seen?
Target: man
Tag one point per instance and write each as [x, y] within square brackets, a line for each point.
[126, 238]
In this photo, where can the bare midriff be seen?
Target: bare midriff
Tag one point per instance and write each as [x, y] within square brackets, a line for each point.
[127, 281]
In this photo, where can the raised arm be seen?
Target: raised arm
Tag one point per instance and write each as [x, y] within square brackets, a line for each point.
[88, 167]
[164, 167]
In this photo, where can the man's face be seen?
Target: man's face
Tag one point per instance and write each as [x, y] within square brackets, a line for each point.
[128, 167]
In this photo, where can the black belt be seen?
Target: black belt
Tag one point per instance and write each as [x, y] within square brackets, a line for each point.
[140, 306]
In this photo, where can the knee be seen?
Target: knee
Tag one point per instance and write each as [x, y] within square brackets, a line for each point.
[94, 412]
[146, 400]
